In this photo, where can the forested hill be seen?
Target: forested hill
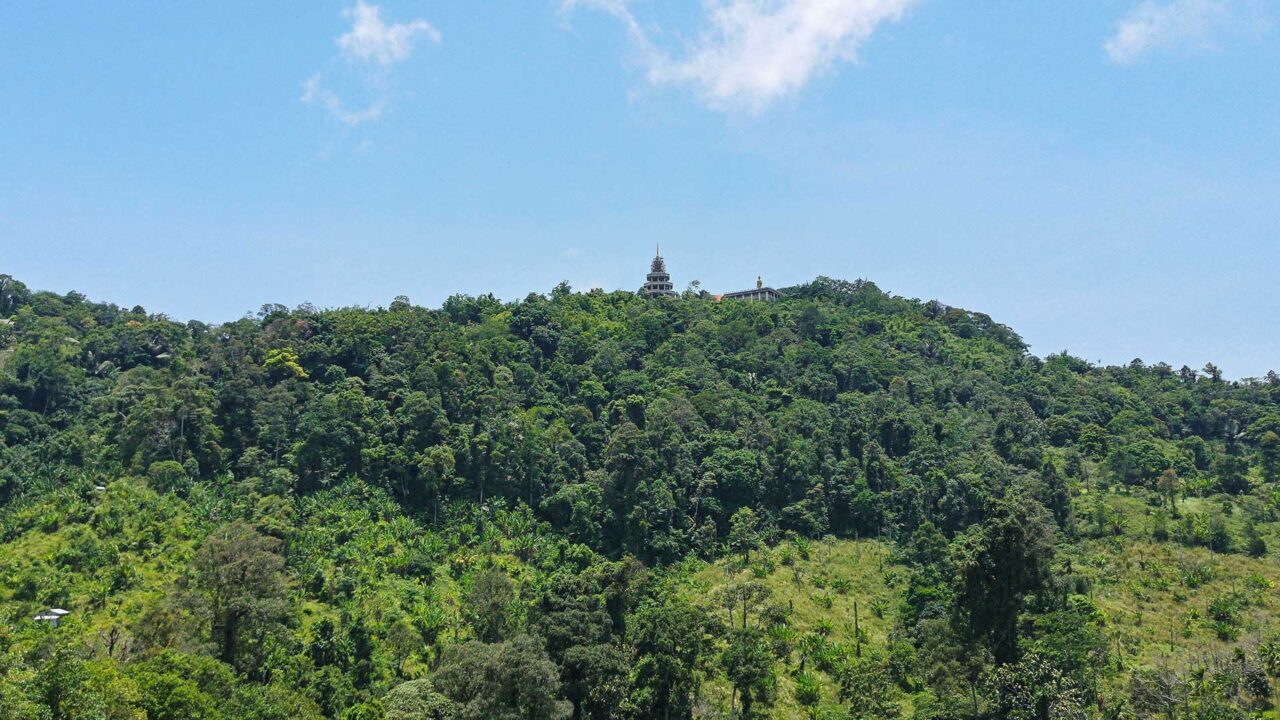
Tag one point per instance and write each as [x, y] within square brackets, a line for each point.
[511, 510]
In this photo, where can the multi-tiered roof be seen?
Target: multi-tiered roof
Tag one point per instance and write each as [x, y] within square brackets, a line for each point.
[658, 282]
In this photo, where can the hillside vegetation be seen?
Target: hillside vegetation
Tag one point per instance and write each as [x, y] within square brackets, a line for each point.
[842, 504]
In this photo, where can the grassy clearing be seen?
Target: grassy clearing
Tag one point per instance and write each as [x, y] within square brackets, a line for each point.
[820, 592]
[1164, 604]
[1157, 597]
[1167, 603]
[106, 564]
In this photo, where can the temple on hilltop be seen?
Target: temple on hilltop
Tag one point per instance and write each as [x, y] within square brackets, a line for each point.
[657, 283]
[760, 292]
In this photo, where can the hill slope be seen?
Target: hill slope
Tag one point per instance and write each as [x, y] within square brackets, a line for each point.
[594, 505]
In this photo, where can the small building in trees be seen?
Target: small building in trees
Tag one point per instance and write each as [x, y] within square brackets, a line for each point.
[52, 616]
[759, 293]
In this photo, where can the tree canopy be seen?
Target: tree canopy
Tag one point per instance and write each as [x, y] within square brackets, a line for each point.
[506, 509]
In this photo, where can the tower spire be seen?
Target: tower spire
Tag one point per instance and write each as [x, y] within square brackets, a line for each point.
[658, 281]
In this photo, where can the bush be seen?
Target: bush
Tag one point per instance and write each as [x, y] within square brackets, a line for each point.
[167, 476]
[1195, 574]
[808, 690]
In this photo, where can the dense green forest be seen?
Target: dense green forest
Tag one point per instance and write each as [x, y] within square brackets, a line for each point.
[843, 504]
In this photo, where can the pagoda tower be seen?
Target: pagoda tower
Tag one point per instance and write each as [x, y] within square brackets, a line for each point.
[657, 283]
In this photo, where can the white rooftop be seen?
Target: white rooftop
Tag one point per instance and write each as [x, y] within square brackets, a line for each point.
[52, 614]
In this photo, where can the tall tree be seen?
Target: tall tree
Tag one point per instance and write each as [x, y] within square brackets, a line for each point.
[490, 602]
[748, 663]
[513, 680]
[670, 645]
[417, 700]
[999, 563]
[239, 576]
[572, 615]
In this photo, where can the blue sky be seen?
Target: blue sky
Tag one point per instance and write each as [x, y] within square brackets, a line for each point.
[1103, 176]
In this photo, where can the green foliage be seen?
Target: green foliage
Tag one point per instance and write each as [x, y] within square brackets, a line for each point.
[239, 586]
[490, 604]
[670, 646]
[167, 476]
[808, 690]
[1034, 689]
[416, 700]
[285, 362]
[866, 684]
[513, 680]
[748, 663]
[1254, 544]
[1000, 564]
[506, 510]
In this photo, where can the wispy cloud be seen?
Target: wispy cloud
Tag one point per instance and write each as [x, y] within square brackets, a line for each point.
[1150, 27]
[313, 93]
[373, 40]
[371, 47]
[751, 53]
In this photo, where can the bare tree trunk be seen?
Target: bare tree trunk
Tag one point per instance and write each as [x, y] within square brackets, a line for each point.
[857, 631]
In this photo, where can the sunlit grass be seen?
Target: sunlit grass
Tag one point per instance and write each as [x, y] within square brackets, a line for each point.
[820, 593]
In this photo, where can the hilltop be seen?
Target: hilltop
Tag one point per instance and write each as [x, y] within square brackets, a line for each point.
[600, 505]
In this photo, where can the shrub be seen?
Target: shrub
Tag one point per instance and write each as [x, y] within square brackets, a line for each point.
[808, 690]
[1195, 574]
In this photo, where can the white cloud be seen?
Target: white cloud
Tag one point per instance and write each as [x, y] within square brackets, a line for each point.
[374, 47]
[313, 93]
[1150, 27]
[751, 53]
[372, 39]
